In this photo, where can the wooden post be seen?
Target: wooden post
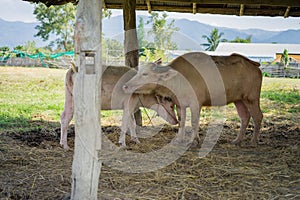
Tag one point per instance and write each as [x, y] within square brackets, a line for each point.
[130, 38]
[131, 46]
[86, 165]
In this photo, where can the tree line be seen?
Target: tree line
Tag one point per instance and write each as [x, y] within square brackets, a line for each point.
[60, 21]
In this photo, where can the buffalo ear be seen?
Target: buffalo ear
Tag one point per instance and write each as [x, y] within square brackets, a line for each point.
[158, 61]
[168, 74]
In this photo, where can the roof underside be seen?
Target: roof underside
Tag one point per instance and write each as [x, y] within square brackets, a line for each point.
[284, 8]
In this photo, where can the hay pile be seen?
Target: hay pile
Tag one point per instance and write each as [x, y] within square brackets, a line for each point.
[33, 166]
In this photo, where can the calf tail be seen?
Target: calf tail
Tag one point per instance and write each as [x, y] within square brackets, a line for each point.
[74, 68]
[69, 81]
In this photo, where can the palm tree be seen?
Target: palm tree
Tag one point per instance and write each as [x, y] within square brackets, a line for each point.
[241, 40]
[285, 58]
[213, 40]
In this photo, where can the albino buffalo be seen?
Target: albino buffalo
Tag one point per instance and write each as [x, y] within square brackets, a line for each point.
[197, 79]
[114, 98]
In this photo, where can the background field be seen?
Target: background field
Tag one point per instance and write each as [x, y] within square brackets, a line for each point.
[33, 166]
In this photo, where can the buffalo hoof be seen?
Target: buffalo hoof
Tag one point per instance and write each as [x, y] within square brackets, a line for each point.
[183, 142]
[254, 143]
[65, 146]
[195, 144]
[136, 140]
[122, 143]
[236, 142]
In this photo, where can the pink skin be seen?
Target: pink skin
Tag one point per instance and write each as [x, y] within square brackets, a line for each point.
[245, 111]
[162, 106]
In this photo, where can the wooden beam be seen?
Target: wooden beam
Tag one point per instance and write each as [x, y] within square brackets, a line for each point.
[194, 8]
[275, 11]
[149, 6]
[286, 14]
[224, 11]
[292, 3]
[86, 165]
[242, 9]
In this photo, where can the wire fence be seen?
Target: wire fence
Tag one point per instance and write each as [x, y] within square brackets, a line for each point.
[24, 59]
[279, 70]
[117, 58]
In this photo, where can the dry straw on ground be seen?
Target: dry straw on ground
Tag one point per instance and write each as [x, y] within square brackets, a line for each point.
[33, 166]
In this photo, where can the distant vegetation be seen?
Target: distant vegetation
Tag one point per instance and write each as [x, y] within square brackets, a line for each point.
[60, 21]
[215, 38]
[162, 32]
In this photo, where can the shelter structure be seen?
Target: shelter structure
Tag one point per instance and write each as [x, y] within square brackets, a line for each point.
[287, 8]
[86, 164]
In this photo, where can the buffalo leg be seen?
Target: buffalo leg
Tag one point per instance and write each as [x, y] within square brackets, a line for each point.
[245, 117]
[178, 110]
[257, 116]
[181, 131]
[124, 128]
[195, 122]
[132, 128]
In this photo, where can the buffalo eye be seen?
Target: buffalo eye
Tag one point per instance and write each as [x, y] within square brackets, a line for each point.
[168, 99]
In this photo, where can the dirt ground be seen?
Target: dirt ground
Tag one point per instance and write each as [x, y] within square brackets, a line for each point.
[34, 166]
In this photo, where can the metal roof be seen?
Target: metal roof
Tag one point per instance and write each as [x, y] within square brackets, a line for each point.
[256, 49]
[284, 8]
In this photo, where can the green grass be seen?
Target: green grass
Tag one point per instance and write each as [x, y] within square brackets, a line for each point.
[285, 97]
[282, 94]
[28, 94]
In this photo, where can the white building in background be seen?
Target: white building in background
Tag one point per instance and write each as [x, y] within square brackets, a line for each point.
[260, 52]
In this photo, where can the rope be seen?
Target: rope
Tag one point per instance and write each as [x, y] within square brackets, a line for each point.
[150, 121]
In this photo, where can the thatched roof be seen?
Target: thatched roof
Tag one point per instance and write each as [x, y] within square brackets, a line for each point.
[284, 8]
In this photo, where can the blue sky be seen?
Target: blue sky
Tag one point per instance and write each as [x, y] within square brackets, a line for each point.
[18, 10]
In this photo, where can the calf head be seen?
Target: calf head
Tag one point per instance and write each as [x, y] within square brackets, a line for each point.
[165, 109]
[149, 76]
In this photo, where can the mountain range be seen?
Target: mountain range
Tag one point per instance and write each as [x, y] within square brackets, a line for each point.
[189, 35]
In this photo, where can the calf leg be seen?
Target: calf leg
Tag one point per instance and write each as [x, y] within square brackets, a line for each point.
[134, 113]
[257, 116]
[65, 119]
[138, 117]
[195, 122]
[245, 117]
[128, 121]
